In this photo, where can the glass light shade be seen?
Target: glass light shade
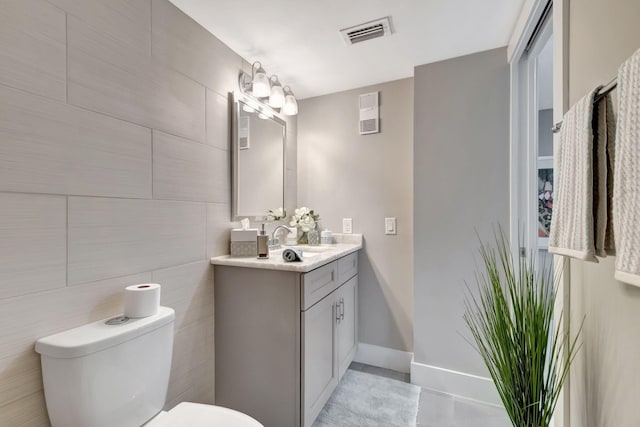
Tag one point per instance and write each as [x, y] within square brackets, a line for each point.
[290, 107]
[276, 98]
[261, 87]
[248, 108]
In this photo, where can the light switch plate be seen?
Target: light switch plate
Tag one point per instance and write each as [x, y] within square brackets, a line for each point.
[390, 226]
[347, 225]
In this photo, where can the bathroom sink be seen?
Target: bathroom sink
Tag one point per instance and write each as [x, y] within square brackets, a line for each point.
[307, 254]
[307, 251]
[314, 249]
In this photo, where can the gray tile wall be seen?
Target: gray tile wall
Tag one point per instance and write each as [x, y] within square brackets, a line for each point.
[33, 41]
[114, 170]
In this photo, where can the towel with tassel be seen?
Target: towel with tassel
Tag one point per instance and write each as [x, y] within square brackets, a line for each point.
[572, 222]
[626, 185]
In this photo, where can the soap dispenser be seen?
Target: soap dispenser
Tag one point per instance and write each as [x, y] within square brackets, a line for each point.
[263, 244]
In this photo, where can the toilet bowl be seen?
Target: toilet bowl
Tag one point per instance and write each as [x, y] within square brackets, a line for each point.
[187, 414]
[115, 372]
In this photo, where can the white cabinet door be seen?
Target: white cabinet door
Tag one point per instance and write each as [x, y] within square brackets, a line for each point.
[347, 306]
[319, 357]
[319, 283]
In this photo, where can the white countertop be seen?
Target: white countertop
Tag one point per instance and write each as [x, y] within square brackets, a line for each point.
[323, 254]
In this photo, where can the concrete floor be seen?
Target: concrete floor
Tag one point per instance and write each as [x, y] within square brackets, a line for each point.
[442, 410]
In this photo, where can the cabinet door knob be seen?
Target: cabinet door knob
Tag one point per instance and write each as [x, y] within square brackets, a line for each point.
[336, 307]
[341, 308]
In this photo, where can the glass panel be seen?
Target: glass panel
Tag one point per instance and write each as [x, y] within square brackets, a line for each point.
[258, 160]
[544, 118]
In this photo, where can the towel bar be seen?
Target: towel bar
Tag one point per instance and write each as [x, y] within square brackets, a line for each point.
[601, 93]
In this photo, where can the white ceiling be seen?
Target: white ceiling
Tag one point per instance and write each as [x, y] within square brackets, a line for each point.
[299, 40]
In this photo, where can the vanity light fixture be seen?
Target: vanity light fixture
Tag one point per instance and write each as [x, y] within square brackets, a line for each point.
[290, 107]
[276, 97]
[258, 87]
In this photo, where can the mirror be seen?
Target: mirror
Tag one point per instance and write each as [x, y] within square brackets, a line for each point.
[258, 144]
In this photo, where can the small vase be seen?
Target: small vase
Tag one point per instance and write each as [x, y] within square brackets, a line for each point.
[313, 237]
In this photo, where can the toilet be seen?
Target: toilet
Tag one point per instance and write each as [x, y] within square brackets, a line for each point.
[115, 372]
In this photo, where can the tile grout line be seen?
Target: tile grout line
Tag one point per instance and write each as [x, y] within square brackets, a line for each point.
[151, 28]
[66, 272]
[115, 117]
[152, 163]
[206, 125]
[66, 48]
[206, 231]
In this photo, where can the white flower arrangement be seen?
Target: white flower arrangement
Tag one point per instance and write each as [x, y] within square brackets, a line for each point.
[276, 214]
[305, 219]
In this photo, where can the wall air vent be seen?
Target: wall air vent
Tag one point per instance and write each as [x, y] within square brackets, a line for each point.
[369, 30]
[369, 117]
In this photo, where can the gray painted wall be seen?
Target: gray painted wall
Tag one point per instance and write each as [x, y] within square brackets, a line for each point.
[545, 136]
[461, 183]
[605, 380]
[366, 177]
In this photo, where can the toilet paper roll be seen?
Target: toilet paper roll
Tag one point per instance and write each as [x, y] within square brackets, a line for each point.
[141, 300]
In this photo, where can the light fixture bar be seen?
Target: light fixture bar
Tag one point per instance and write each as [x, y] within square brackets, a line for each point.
[259, 86]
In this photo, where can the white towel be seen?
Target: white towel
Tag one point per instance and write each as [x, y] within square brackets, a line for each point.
[626, 190]
[572, 223]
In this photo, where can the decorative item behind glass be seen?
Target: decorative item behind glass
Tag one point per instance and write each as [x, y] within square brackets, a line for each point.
[545, 200]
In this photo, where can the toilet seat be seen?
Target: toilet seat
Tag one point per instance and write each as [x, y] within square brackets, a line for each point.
[187, 414]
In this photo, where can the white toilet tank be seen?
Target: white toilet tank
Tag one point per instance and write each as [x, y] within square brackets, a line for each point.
[108, 375]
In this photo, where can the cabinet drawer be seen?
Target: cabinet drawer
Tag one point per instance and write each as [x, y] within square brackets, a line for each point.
[319, 283]
[347, 267]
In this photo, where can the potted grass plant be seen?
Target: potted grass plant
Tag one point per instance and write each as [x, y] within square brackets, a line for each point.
[512, 323]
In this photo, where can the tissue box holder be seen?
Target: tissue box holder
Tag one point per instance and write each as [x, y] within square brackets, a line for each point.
[243, 243]
[244, 249]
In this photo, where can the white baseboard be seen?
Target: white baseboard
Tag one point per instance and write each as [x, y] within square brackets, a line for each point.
[384, 357]
[455, 383]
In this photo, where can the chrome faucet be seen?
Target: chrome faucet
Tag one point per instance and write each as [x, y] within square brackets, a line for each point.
[274, 243]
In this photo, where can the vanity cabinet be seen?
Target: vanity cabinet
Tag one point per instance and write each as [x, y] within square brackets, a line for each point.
[284, 339]
[329, 345]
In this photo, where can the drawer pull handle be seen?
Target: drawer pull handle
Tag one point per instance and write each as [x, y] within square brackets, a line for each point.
[337, 313]
[341, 308]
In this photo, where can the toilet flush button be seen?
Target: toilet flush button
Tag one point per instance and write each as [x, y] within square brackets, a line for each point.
[119, 320]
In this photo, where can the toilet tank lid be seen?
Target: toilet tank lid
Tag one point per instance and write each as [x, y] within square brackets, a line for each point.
[97, 336]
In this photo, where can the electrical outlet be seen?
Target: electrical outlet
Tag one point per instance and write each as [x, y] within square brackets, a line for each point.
[390, 226]
[347, 225]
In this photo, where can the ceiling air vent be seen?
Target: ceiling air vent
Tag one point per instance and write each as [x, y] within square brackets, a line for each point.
[369, 30]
